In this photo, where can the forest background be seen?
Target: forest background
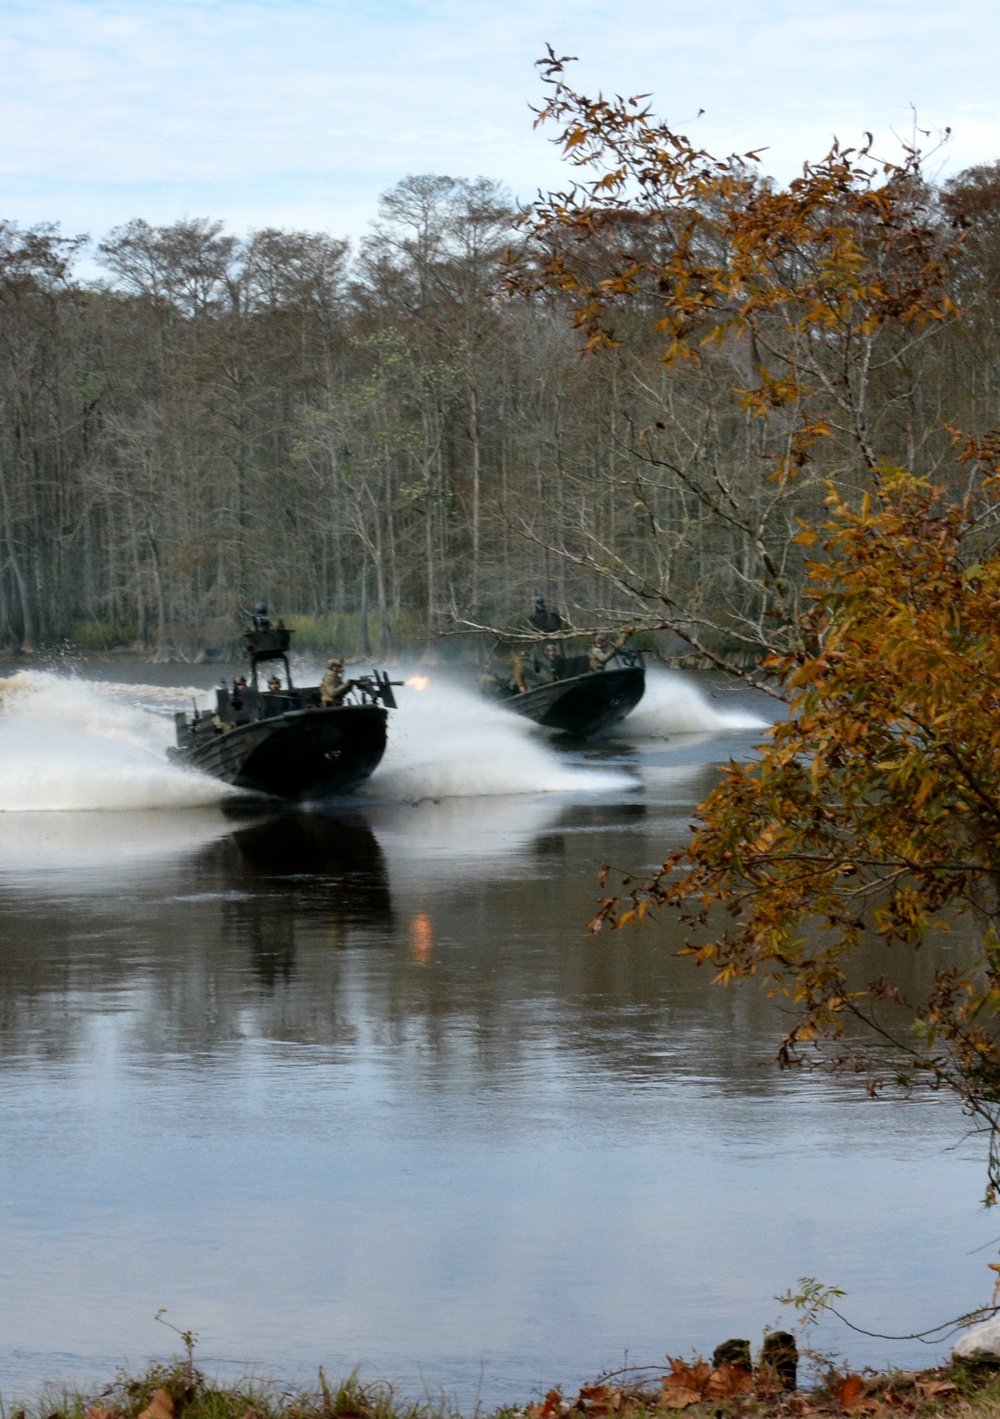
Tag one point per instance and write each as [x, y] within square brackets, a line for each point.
[392, 445]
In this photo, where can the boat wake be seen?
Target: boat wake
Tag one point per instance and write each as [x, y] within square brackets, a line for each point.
[673, 705]
[448, 742]
[68, 744]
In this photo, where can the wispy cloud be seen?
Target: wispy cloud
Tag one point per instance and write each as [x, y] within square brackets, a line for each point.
[302, 111]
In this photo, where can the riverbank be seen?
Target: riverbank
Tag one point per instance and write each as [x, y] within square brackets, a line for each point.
[702, 1391]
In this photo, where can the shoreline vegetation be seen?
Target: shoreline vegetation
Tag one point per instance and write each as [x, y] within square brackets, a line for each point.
[720, 1390]
[318, 635]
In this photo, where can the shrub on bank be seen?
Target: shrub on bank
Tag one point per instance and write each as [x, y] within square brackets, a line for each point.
[98, 635]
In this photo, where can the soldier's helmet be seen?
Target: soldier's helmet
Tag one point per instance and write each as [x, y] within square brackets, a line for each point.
[335, 664]
[260, 609]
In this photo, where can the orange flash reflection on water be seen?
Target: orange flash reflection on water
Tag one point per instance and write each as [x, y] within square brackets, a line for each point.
[418, 682]
[421, 939]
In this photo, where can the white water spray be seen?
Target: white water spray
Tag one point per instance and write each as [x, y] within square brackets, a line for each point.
[69, 744]
[673, 705]
[449, 742]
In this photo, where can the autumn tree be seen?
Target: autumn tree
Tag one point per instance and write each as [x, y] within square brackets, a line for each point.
[871, 819]
[389, 440]
[766, 339]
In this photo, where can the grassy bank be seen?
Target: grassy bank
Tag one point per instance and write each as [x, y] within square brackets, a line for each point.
[181, 1391]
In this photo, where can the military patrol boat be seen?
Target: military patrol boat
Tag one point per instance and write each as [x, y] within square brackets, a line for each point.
[576, 700]
[579, 695]
[294, 743]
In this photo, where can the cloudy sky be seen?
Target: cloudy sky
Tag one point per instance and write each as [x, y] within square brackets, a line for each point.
[300, 112]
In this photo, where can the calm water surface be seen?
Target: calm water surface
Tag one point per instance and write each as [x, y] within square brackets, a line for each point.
[355, 1087]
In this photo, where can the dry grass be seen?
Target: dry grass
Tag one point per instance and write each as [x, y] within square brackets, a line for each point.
[181, 1391]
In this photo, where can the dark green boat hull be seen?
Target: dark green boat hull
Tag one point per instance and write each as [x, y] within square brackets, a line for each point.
[582, 705]
[305, 754]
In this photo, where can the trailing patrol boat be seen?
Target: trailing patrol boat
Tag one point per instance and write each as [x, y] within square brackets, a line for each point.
[293, 743]
[569, 693]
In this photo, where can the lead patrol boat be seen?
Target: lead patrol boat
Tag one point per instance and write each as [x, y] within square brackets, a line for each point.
[287, 742]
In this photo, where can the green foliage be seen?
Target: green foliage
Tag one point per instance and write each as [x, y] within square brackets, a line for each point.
[98, 635]
[811, 1299]
[321, 635]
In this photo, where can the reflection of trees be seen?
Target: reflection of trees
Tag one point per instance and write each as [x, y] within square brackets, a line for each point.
[166, 947]
[485, 979]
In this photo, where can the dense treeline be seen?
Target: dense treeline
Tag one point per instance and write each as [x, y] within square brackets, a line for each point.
[405, 438]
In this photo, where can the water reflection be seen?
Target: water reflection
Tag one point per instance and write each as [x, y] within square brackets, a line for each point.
[84, 851]
[360, 1087]
[284, 871]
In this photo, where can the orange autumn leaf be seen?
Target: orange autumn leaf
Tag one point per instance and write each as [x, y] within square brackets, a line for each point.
[599, 1399]
[550, 1407]
[728, 1381]
[850, 1391]
[161, 1406]
[934, 1388]
[680, 1398]
[894, 1399]
[686, 1384]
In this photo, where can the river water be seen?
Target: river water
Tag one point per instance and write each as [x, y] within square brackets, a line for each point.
[355, 1087]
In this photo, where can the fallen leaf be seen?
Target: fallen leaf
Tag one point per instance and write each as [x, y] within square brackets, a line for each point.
[599, 1399]
[850, 1392]
[798, 1404]
[161, 1406]
[685, 1376]
[931, 1389]
[99, 1412]
[728, 1381]
[680, 1398]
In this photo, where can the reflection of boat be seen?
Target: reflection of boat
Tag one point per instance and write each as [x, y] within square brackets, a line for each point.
[287, 741]
[574, 698]
[287, 882]
[328, 863]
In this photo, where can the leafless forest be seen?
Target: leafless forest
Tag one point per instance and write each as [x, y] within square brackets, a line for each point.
[405, 440]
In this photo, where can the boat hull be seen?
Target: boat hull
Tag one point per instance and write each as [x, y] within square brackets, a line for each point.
[305, 754]
[582, 705]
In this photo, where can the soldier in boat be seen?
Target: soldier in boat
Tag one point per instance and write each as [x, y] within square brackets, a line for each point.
[552, 665]
[544, 620]
[605, 648]
[333, 687]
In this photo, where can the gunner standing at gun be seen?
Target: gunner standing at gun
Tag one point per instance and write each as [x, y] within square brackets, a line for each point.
[333, 686]
[606, 647]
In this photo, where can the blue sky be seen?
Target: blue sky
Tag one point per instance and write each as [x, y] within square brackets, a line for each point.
[298, 113]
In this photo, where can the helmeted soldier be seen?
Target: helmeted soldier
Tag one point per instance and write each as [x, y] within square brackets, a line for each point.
[544, 620]
[333, 686]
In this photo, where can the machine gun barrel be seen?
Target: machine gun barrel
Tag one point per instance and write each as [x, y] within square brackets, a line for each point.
[378, 687]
